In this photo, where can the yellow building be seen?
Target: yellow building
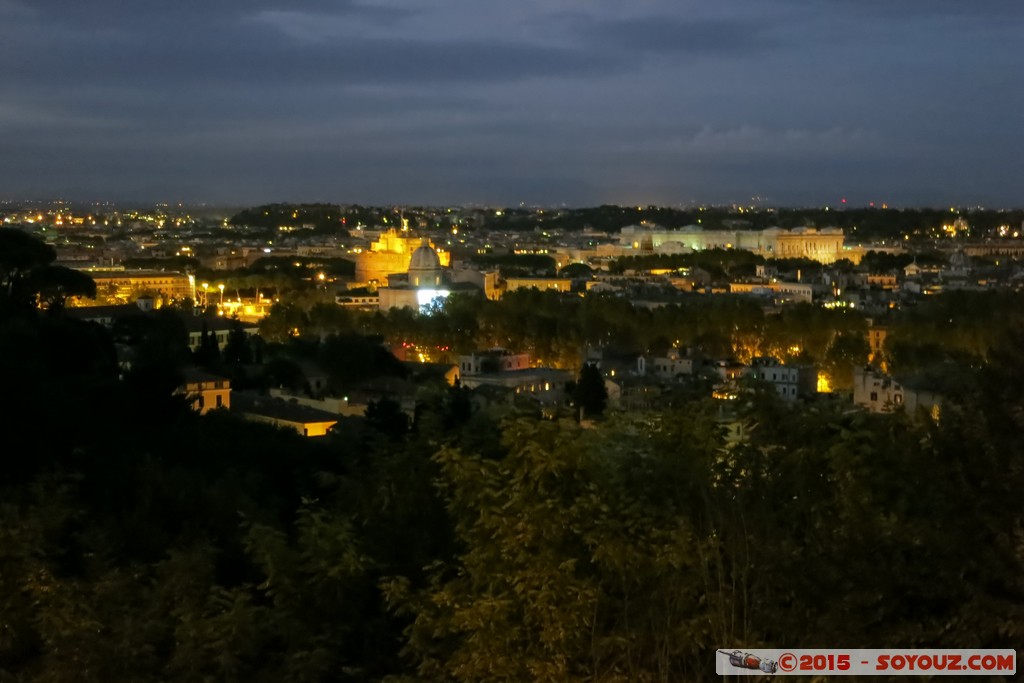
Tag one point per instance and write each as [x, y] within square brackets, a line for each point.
[125, 286]
[558, 284]
[545, 284]
[205, 392]
[391, 254]
[882, 280]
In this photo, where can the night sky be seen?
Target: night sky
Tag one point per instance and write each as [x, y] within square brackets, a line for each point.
[909, 102]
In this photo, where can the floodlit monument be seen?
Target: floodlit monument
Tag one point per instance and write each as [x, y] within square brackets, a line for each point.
[391, 254]
[824, 245]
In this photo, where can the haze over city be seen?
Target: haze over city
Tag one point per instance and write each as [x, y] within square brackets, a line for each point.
[650, 102]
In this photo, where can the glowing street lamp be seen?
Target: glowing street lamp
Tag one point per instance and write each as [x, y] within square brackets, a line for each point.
[206, 288]
[221, 288]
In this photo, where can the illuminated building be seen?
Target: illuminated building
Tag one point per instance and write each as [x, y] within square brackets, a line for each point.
[421, 285]
[558, 284]
[392, 254]
[885, 281]
[123, 286]
[204, 391]
[824, 245]
[363, 302]
[876, 342]
[787, 291]
[249, 310]
[957, 227]
[425, 267]
[1008, 247]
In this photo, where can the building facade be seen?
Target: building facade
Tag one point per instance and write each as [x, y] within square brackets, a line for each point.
[789, 381]
[205, 392]
[824, 245]
[670, 366]
[879, 393]
[125, 286]
[392, 253]
[419, 286]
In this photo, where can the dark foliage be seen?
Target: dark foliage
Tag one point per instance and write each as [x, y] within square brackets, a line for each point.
[140, 541]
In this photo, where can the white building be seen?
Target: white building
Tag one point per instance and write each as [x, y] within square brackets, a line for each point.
[880, 393]
[824, 245]
[511, 371]
[789, 381]
[671, 366]
[423, 283]
[492, 361]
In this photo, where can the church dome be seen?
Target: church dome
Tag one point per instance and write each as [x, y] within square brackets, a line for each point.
[425, 266]
[424, 258]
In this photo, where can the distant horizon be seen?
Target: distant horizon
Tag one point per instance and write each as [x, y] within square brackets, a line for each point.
[755, 206]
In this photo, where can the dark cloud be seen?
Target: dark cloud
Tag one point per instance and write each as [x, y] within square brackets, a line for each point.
[138, 12]
[261, 57]
[538, 101]
[717, 37]
[984, 11]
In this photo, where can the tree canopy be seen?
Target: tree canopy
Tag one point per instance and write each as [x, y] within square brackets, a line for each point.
[28, 274]
[142, 541]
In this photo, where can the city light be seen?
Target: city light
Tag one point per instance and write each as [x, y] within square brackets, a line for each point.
[428, 297]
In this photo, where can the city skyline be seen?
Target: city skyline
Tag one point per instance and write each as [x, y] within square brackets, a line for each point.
[540, 103]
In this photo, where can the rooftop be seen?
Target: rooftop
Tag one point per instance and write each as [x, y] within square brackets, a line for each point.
[278, 409]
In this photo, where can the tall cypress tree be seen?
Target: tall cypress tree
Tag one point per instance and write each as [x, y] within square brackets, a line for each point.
[590, 396]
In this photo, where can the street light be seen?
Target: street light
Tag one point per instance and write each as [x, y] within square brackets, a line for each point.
[206, 288]
[221, 288]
